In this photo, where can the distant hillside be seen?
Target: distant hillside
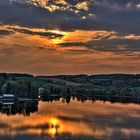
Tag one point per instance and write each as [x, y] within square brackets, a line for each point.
[121, 80]
[81, 86]
[101, 76]
[15, 75]
[132, 80]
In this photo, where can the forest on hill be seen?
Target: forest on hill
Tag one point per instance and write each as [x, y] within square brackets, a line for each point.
[109, 85]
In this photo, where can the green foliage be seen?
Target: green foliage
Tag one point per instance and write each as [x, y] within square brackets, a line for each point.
[90, 86]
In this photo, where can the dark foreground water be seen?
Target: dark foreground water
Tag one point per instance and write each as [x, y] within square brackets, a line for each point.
[74, 121]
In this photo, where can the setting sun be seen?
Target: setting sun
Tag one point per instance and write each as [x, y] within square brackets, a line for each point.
[56, 31]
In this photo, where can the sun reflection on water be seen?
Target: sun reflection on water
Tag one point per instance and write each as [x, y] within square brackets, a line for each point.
[56, 119]
[55, 125]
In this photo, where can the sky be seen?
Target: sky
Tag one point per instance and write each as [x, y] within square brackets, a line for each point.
[51, 37]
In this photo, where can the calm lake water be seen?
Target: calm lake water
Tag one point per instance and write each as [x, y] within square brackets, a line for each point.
[74, 121]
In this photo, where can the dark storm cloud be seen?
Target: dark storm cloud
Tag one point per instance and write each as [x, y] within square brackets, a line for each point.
[44, 34]
[5, 32]
[34, 16]
[121, 45]
[51, 35]
[117, 15]
[116, 45]
[69, 44]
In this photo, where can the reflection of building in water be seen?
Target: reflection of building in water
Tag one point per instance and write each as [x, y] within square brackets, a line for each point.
[13, 107]
[7, 99]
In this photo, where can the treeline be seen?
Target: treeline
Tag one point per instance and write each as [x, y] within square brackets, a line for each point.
[101, 76]
[8, 75]
[26, 85]
[81, 92]
[119, 80]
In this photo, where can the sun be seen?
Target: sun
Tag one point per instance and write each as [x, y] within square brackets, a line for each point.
[59, 40]
[56, 31]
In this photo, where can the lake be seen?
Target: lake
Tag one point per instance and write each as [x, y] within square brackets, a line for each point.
[74, 121]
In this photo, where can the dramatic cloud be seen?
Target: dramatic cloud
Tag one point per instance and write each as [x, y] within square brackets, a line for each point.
[73, 14]
[109, 42]
[54, 37]
[5, 32]
[44, 34]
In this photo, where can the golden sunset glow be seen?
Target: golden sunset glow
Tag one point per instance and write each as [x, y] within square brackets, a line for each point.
[59, 4]
[52, 37]
[72, 47]
[54, 121]
[57, 41]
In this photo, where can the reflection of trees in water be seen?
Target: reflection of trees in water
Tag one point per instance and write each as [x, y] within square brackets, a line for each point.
[27, 107]
[22, 107]
[83, 98]
[67, 99]
[30, 106]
